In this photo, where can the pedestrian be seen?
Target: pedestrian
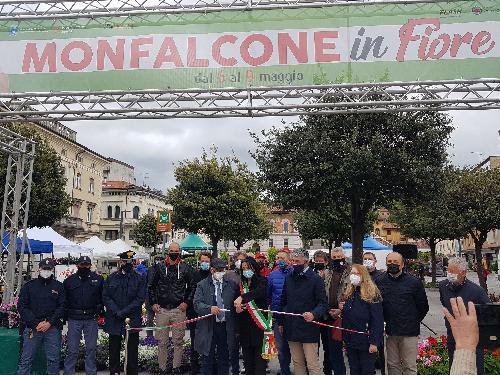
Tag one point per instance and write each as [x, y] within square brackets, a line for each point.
[123, 294]
[264, 269]
[405, 306]
[304, 294]
[149, 309]
[41, 309]
[457, 285]
[201, 273]
[252, 288]
[275, 283]
[336, 283]
[321, 267]
[215, 295]
[171, 292]
[83, 305]
[362, 311]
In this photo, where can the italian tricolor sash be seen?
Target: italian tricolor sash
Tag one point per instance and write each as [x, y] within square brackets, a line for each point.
[269, 350]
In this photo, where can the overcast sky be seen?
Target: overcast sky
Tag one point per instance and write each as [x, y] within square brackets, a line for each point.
[154, 147]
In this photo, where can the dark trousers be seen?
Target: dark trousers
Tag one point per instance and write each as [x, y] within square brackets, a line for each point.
[479, 356]
[194, 359]
[75, 329]
[32, 341]
[325, 339]
[336, 357]
[234, 355]
[361, 362]
[115, 343]
[219, 350]
[253, 361]
[380, 358]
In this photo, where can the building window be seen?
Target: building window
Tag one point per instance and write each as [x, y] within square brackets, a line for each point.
[135, 212]
[377, 231]
[117, 212]
[79, 159]
[285, 226]
[131, 235]
[91, 186]
[76, 210]
[63, 152]
[92, 165]
[285, 242]
[110, 212]
[90, 213]
[271, 242]
[110, 234]
[77, 181]
[388, 232]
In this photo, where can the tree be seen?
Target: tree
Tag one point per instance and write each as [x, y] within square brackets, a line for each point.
[255, 226]
[213, 195]
[363, 160]
[476, 203]
[326, 224]
[49, 201]
[145, 233]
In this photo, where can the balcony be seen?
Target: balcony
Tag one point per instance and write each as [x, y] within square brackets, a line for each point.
[71, 223]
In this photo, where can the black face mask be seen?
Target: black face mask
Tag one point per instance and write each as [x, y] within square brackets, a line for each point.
[83, 271]
[338, 263]
[173, 256]
[393, 269]
[127, 267]
[319, 266]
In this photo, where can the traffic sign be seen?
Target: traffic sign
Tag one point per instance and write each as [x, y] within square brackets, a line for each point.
[164, 221]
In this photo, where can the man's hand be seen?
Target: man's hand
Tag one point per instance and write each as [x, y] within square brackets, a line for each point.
[214, 310]
[308, 317]
[463, 325]
[341, 306]
[183, 306]
[372, 348]
[39, 326]
[156, 308]
[334, 313]
[237, 302]
[43, 326]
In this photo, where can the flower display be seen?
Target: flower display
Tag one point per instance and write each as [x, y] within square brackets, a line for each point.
[10, 309]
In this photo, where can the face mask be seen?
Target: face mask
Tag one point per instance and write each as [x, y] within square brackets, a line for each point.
[355, 279]
[369, 264]
[237, 264]
[338, 263]
[281, 264]
[319, 266]
[218, 276]
[204, 266]
[127, 267]
[248, 274]
[173, 256]
[393, 269]
[83, 271]
[45, 274]
[298, 268]
[452, 278]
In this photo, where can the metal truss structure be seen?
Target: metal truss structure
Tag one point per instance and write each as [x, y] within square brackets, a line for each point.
[15, 208]
[253, 102]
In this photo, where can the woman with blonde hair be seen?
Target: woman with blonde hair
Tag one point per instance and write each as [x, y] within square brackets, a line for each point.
[362, 311]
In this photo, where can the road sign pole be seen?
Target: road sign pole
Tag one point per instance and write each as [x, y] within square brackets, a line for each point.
[164, 234]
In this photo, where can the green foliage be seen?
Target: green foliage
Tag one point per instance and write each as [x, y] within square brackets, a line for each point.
[49, 201]
[217, 196]
[359, 160]
[492, 362]
[192, 261]
[144, 232]
[271, 255]
[224, 255]
[255, 226]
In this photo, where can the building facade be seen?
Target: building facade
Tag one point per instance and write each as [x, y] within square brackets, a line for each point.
[83, 169]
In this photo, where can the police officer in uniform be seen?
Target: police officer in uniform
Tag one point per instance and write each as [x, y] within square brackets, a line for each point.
[83, 304]
[123, 295]
[41, 307]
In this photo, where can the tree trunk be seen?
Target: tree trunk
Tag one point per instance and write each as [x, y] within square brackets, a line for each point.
[357, 232]
[330, 246]
[432, 245]
[478, 245]
[215, 241]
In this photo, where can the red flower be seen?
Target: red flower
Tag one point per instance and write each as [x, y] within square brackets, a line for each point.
[432, 341]
[444, 340]
[496, 353]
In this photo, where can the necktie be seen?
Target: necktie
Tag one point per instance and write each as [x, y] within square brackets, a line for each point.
[220, 302]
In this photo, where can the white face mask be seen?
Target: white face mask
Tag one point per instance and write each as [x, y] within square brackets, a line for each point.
[45, 274]
[369, 264]
[355, 279]
[237, 264]
[218, 276]
[452, 277]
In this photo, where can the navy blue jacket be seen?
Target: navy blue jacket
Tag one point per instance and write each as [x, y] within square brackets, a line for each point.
[405, 303]
[302, 293]
[275, 283]
[40, 300]
[83, 296]
[362, 316]
[123, 296]
[468, 291]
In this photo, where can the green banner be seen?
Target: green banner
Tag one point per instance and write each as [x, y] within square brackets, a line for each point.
[377, 42]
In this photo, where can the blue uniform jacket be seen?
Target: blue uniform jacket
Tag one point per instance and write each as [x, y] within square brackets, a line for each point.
[362, 316]
[40, 300]
[123, 296]
[83, 296]
[275, 283]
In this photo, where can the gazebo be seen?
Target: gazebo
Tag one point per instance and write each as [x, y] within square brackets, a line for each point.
[193, 242]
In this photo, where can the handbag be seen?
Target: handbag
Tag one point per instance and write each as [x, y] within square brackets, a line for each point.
[337, 333]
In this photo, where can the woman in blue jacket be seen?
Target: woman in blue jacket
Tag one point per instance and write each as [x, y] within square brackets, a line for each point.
[362, 311]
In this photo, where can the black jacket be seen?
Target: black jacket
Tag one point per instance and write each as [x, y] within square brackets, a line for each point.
[172, 285]
[250, 334]
[405, 304]
[198, 276]
[40, 300]
[83, 296]
[375, 275]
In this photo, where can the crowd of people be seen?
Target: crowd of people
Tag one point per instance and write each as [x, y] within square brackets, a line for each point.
[300, 305]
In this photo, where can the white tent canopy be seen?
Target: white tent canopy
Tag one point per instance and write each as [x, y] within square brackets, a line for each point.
[119, 246]
[100, 248]
[62, 246]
